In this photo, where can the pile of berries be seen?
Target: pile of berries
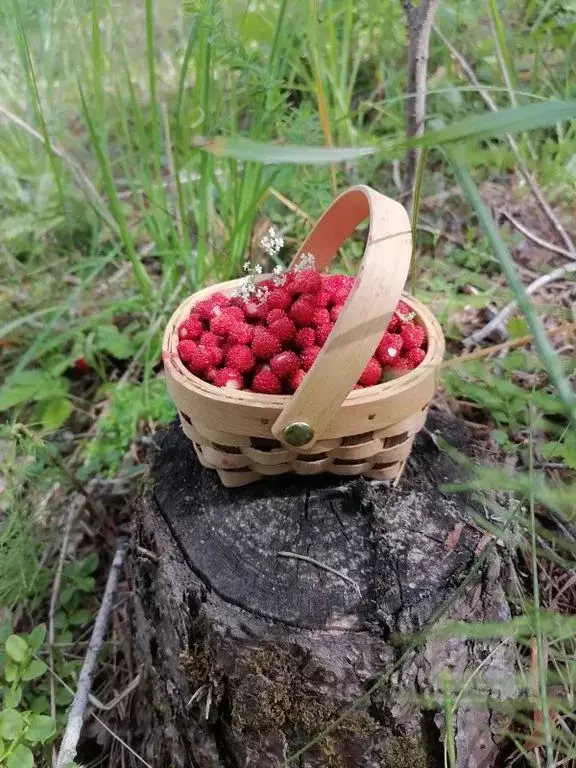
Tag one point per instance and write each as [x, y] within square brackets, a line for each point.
[268, 344]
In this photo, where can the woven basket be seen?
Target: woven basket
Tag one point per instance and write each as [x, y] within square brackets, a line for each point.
[326, 426]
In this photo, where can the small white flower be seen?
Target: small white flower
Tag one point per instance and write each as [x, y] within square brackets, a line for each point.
[306, 261]
[272, 243]
[246, 266]
[278, 275]
[258, 269]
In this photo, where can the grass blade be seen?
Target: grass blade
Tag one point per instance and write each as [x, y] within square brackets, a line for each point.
[545, 348]
[274, 154]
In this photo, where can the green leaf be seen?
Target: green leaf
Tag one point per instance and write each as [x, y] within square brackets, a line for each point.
[63, 697]
[511, 120]
[5, 631]
[35, 669]
[12, 697]
[517, 327]
[30, 386]
[10, 671]
[17, 648]
[241, 148]
[66, 594]
[36, 638]
[40, 728]
[11, 723]
[109, 339]
[22, 757]
[40, 705]
[90, 563]
[80, 617]
[86, 583]
[569, 449]
[2, 747]
[55, 413]
[60, 619]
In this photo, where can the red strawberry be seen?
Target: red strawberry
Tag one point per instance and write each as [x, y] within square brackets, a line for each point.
[240, 358]
[207, 308]
[322, 298]
[275, 314]
[295, 380]
[372, 374]
[267, 383]
[255, 310]
[339, 287]
[221, 323]
[335, 312]
[322, 333]
[81, 366]
[305, 338]
[209, 339]
[236, 312]
[285, 364]
[264, 344]
[321, 316]
[308, 357]
[305, 281]
[240, 333]
[404, 311]
[197, 358]
[284, 329]
[228, 378]
[415, 356]
[279, 298]
[395, 324]
[400, 367]
[413, 335]
[302, 311]
[215, 354]
[190, 329]
[389, 348]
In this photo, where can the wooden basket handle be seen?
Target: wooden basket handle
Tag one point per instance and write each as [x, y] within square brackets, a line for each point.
[366, 314]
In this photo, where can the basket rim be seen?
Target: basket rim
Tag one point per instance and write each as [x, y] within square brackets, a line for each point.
[366, 396]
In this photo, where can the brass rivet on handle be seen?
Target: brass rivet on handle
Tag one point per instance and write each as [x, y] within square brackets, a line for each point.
[298, 434]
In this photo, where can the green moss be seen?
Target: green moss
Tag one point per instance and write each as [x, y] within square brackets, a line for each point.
[282, 691]
[406, 751]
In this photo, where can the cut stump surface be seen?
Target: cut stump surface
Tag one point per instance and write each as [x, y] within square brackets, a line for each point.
[264, 612]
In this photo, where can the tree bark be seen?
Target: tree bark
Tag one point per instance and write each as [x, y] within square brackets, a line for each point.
[247, 655]
[419, 20]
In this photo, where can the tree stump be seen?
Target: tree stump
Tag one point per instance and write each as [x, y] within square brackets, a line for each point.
[249, 652]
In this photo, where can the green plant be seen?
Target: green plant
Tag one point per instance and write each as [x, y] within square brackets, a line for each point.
[22, 727]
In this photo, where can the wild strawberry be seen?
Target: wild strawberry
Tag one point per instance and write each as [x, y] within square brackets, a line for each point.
[302, 311]
[222, 323]
[335, 312]
[190, 329]
[209, 339]
[400, 367]
[240, 358]
[264, 344]
[306, 337]
[81, 366]
[320, 317]
[278, 298]
[308, 357]
[215, 354]
[284, 329]
[255, 310]
[295, 380]
[197, 359]
[322, 298]
[372, 374]
[395, 324]
[208, 307]
[235, 312]
[389, 348]
[275, 314]
[322, 333]
[305, 281]
[228, 378]
[413, 335]
[240, 333]
[267, 383]
[415, 356]
[284, 364]
[404, 312]
[339, 287]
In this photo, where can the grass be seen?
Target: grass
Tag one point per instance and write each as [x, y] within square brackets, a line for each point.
[142, 151]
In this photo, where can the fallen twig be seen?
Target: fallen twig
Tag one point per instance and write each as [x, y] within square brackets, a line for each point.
[534, 237]
[522, 167]
[500, 319]
[318, 564]
[510, 344]
[73, 729]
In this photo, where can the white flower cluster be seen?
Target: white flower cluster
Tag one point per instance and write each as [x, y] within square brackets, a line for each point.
[272, 243]
[306, 261]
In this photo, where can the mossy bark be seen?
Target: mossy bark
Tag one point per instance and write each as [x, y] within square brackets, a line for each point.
[247, 656]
